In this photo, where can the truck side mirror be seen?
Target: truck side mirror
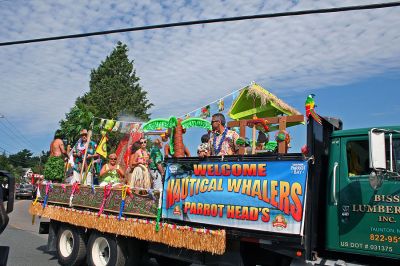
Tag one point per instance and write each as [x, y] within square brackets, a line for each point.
[7, 186]
[377, 152]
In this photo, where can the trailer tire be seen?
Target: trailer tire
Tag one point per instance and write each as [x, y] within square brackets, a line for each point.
[71, 246]
[105, 250]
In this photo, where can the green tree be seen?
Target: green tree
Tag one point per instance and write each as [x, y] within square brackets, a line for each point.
[114, 91]
[6, 164]
[77, 119]
[22, 158]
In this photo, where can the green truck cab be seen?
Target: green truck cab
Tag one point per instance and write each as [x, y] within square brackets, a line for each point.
[355, 176]
[363, 210]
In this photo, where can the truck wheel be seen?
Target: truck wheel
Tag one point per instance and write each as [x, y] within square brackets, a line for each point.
[71, 246]
[104, 250]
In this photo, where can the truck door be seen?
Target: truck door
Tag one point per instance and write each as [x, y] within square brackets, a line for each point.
[367, 218]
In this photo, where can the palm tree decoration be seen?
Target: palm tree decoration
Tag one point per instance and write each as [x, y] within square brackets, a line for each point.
[176, 126]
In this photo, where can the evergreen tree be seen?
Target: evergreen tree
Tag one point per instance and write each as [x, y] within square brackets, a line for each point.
[114, 91]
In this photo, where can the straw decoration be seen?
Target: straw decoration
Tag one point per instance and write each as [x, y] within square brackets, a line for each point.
[199, 239]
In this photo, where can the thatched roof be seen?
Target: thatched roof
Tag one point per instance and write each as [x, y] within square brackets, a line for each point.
[255, 100]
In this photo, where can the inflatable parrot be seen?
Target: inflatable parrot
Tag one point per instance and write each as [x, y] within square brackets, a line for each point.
[310, 104]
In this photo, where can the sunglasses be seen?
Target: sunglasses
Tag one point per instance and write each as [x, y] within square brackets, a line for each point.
[113, 159]
[141, 142]
[214, 121]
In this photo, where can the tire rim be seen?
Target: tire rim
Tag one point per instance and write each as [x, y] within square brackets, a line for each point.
[66, 243]
[101, 251]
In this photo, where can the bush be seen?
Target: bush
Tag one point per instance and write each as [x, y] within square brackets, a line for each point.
[54, 169]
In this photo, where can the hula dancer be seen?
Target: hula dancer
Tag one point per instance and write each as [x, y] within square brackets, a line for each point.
[138, 174]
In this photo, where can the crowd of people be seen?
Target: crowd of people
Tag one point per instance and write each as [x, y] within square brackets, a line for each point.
[145, 168]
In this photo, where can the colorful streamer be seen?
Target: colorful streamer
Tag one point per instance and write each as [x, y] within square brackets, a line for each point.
[107, 192]
[159, 210]
[48, 186]
[75, 189]
[122, 206]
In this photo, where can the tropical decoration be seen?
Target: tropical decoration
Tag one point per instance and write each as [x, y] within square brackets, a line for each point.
[271, 146]
[283, 136]
[254, 100]
[221, 105]
[280, 136]
[46, 197]
[310, 105]
[196, 122]
[118, 214]
[125, 190]
[75, 195]
[74, 190]
[106, 194]
[205, 112]
[102, 147]
[179, 236]
[176, 128]
[259, 123]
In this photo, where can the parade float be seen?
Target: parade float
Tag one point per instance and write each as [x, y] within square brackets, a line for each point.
[126, 212]
[258, 205]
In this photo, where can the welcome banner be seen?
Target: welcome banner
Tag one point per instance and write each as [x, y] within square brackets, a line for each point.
[266, 196]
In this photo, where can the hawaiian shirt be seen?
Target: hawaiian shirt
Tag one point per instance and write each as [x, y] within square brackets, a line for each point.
[80, 147]
[156, 158]
[228, 145]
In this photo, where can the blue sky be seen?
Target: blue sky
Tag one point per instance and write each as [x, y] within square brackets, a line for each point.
[351, 61]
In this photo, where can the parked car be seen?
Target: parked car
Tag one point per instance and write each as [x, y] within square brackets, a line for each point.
[24, 191]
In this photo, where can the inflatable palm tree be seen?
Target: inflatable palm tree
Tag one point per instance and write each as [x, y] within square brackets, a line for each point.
[176, 127]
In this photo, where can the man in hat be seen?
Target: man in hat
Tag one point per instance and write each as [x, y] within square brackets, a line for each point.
[79, 152]
[157, 170]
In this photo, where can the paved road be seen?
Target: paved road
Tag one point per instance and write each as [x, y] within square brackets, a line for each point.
[27, 247]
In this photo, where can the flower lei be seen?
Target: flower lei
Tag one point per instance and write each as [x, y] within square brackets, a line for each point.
[218, 149]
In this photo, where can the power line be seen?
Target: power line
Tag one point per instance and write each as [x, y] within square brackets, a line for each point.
[209, 21]
[6, 151]
[20, 133]
[15, 136]
[8, 146]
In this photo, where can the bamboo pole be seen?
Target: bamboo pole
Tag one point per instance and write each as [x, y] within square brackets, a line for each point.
[253, 145]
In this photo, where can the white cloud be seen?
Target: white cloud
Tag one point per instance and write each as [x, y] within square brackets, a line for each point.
[189, 66]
